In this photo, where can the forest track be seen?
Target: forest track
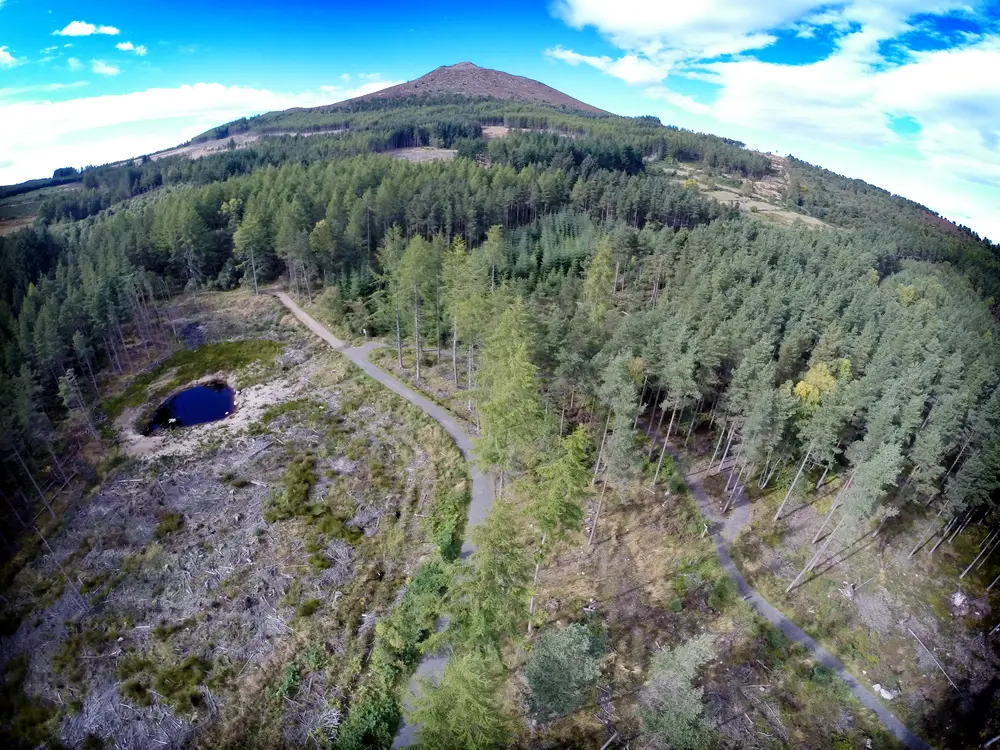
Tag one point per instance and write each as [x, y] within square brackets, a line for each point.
[431, 665]
[724, 530]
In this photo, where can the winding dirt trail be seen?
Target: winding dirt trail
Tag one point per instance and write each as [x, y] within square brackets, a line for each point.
[723, 529]
[482, 484]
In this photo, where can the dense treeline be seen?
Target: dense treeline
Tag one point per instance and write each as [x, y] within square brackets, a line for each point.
[918, 232]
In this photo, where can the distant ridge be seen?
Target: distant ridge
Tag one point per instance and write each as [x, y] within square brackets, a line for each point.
[466, 79]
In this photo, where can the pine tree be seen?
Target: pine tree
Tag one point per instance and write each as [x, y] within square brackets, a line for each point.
[463, 710]
[509, 404]
[670, 707]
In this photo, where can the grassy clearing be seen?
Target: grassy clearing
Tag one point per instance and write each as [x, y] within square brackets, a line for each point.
[191, 364]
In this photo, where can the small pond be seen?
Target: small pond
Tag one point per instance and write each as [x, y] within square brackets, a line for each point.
[206, 402]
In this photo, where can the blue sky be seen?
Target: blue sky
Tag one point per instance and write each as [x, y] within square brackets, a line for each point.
[902, 93]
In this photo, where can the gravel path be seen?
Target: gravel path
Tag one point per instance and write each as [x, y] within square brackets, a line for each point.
[724, 530]
[482, 484]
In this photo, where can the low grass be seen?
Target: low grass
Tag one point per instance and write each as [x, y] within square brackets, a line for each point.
[190, 364]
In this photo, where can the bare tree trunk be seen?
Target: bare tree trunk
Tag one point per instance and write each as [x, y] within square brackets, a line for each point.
[454, 348]
[718, 444]
[471, 355]
[957, 458]
[416, 333]
[534, 586]
[944, 534]
[24, 468]
[659, 464]
[642, 394]
[926, 536]
[794, 482]
[399, 339]
[822, 476]
[600, 453]
[437, 316]
[815, 558]
[836, 504]
[983, 552]
[673, 416]
[597, 516]
[253, 268]
[729, 443]
[652, 448]
[694, 418]
[656, 401]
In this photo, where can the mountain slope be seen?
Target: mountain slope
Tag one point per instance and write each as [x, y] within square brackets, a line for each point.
[466, 79]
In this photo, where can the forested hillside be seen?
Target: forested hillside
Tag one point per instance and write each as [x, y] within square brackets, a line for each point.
[558, 276]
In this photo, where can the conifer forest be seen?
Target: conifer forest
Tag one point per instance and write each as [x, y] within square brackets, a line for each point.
[617, 435]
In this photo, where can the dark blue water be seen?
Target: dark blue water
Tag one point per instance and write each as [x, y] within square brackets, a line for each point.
[207, 402]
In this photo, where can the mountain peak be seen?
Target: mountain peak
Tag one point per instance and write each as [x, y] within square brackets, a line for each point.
[468, 79]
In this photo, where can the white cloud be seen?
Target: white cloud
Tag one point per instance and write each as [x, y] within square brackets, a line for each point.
[345, 76]
[630, 68]
[7, 60]
[129, 47]
[102, 68]
[41, 135]
[74, 64]
[837, 111]
[369, 76]
[47, 50]
[82, 28]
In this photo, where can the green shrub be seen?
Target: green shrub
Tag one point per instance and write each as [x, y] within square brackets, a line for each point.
[562, 670]
[371, 722]
[290, 679]
[676, 604]
[136, 690]
[298, 482]
[723, 593]
[179, 685]
[308, 608]
[169, 523]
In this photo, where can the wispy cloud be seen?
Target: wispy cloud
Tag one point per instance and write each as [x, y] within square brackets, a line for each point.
[18, 91]
[102, 68]
[702, 59]
[7, 60]
[74, 64]
[42, 135]
[82, 28]
[140, 50]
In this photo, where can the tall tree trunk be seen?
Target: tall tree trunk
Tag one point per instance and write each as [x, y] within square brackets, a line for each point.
[416, 333]
[836, 504]
[600, 453]
[253, 268]
[454, 349]
[659, 464]
[930, 532]
[718, 444]
[652, 416]
[694, 418]
[642, 395]
[729, 444]
[944, 534]
[399, 339]
[673, 416]
[990, 545]
[652, 447]
[597, 516]
[24, 468]
[794, 482]
[534, 584]
[437, 319]
[815, 558]
[471, 354]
